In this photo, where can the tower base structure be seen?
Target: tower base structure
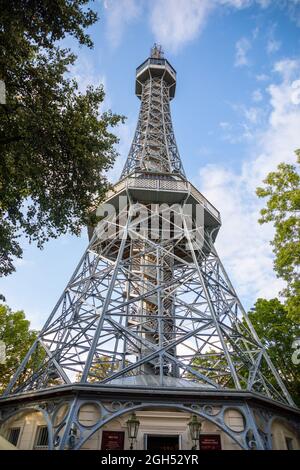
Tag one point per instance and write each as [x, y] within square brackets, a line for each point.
[149, 335]
[83, 417]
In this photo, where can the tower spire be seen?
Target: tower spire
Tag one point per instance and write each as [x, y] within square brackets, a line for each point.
[154, 147]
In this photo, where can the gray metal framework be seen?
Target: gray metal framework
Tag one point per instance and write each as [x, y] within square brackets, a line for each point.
[136, 307]
[154, 146]
[152, 311]
[68, 432]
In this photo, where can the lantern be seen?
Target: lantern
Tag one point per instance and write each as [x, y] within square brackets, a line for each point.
[195, 427]
[132, 427]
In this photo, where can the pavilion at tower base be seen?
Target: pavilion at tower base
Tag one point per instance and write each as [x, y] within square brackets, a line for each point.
[229, 420]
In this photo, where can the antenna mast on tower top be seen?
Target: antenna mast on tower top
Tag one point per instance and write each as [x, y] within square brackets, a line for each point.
[157, 51]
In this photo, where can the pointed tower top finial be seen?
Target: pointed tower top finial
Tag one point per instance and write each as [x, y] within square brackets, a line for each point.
[156, 51]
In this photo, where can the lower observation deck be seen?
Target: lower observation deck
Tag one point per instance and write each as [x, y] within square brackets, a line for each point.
[158, 188]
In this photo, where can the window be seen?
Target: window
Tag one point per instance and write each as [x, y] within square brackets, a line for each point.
[41, 440]
[13, 435]
[289, 443]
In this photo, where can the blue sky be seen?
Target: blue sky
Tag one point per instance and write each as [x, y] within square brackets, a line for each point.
[236, 115]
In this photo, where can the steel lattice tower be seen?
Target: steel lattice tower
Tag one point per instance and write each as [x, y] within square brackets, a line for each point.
[150, 303]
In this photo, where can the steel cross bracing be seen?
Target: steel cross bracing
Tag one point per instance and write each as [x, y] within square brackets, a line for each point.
[138, 307]
[154, 146]
[62, 415]
[157, 307]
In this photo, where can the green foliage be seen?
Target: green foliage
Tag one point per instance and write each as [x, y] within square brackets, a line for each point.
[214, 366]
[100, 370]
[42, 23]
[277, 331]
[282, 188]
[54, 142]
[18, 338]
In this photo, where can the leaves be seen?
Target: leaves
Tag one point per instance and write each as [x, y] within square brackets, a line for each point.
[282, 190]
[43, 22]
[55, 144]
[18, 338]
[277, 332]
[100, 370]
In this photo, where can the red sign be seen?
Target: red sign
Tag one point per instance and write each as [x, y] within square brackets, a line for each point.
[210, 442]
[112, 440]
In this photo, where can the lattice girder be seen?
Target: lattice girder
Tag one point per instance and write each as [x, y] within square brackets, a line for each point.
[149, 311]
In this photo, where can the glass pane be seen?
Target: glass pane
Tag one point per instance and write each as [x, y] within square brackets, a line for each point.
[14, 436]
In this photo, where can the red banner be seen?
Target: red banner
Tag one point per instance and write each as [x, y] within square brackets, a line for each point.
[210, 442]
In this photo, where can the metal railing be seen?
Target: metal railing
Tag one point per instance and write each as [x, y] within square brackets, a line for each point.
[160, 62]
[197, 195]
[163, 185]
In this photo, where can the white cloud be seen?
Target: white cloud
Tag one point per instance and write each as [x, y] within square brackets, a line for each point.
[20, 262]
[242, 48]
[173, 23]
[177, 22]
[255, 32]
[264, 3]
[286, 67]
[252, 114]
[273, 45]
[284, 97]
[224, 125]
[119, 14]
[242, 242]
[296, 92]
[257, 96]
[84, 72]
[262, 77]
[235, 3]
[293, 8]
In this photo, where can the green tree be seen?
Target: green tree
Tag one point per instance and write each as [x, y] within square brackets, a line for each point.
[17, 337]
[54, 142]
[100, 370]
[282, 188]
[214, 366]
[277, 331]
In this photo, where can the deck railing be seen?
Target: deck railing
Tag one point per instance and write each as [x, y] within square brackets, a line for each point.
[160, 184]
